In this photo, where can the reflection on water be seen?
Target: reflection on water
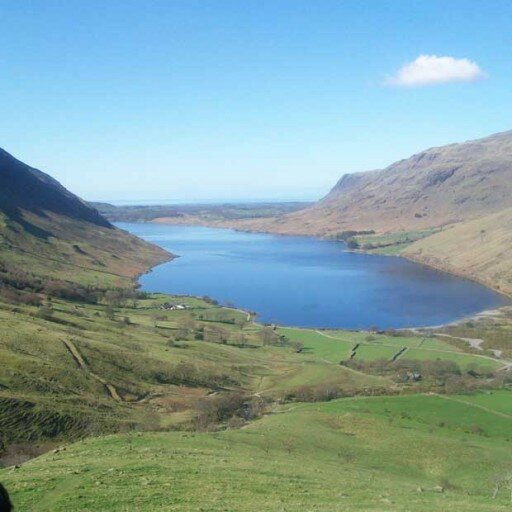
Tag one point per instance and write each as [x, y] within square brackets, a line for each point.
[307, 282]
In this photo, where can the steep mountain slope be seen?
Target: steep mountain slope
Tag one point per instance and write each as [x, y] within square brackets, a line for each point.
[433, 188]
[48, 232]
[480, 249]
[25, 189]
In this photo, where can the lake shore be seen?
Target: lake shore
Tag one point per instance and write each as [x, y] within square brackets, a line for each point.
[250, 226]
[258, 273]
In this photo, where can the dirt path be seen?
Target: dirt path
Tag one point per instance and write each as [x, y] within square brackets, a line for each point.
[329, 336]
[248, 315]
[472, 342]
[79, 360]
[471, 404]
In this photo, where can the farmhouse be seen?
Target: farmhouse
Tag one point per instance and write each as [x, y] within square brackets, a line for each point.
[172, 306]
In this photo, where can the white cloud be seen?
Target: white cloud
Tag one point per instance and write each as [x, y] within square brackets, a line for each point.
[433, 70]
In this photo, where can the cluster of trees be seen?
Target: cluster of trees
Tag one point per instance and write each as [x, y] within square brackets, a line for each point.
[346, 235]
[191, 375]
[19, 280]
[233, 409]
[16, 297]
[189, 329]
[441, 375]
[330, 391]
[24, 288]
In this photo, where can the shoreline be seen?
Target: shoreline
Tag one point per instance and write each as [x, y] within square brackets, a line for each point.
[419, 261]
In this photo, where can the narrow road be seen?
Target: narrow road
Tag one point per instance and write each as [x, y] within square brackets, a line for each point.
[79, 360]
[472, 342]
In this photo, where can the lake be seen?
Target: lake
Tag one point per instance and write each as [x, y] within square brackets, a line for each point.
[307, 282]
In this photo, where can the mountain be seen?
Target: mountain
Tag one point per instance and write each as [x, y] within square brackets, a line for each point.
[433, 188]
[49, 233]
[25, 189]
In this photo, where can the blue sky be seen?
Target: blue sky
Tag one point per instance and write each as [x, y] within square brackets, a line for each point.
[194, 100]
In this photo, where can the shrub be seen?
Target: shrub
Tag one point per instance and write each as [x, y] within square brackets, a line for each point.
[45, 312]
[233, 408]
[17, 297]
[69, 291]
[298, 347]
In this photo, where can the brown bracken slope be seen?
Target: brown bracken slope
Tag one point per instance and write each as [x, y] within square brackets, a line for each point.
[434, 188]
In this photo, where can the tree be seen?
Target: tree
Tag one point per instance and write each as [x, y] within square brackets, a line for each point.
[110, 313]
[267, 335]
[503, 481]
[158, 318]
[352, 243]
[240, 339]
[242, 322]
[298, 347]
[216, 334]
[187, 323]
[113, 298]
[45, 311]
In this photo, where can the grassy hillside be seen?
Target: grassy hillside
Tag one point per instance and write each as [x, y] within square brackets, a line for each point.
[48, 233]
[77, 369]
[75, 251]
[417, 452]
[480, 249]
[74, 369]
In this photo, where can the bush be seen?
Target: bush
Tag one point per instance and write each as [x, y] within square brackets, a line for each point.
[233, 408]
[45, 312]
[31, 299]
[69, 291]
[17, 297]
[298, 347]
[187, 374]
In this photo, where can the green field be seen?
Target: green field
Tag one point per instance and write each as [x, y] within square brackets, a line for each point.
[389, 243]
[336, 346]
[404, 453]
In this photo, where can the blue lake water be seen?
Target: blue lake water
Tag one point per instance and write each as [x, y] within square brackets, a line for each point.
[307, 282]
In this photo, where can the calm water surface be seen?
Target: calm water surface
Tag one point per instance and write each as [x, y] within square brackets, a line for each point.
[307, 282]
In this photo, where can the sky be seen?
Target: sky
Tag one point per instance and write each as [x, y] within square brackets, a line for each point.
[195, 100]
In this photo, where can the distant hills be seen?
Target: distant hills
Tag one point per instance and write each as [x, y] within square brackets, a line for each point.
[211, 214]
[48, 232]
